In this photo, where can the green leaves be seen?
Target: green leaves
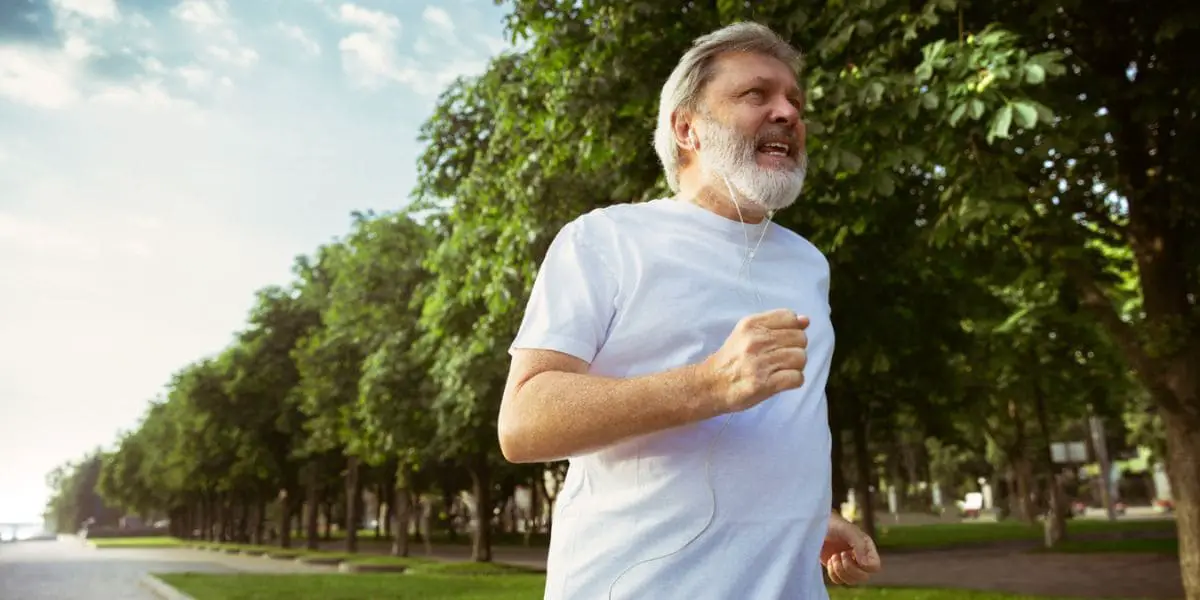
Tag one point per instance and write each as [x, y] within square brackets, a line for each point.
[1025, 114]
[1034, 73]
[1000, 123]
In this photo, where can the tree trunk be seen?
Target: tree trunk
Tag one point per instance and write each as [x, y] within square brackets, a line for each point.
[327, 509]
[312, 507]
[403, 514]
[1159, 232]
[836, 457]
[244, 521]
[864, 467]
[548, 507]
[286, 509]
[481, 488]
[448, 500]
[353, 497]
[1056, 520]
[1183, 448]
[1019, 459]
[379, 517]
[260, 523]
[389, 500]
[207, 520]
[534, 505]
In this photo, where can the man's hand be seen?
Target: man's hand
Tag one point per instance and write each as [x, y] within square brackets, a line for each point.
[848, 554]
[764, 355]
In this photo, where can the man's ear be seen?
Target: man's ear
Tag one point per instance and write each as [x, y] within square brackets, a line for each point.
[685, 135]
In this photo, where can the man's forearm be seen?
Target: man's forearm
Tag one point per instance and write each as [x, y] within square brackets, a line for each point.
[555, 415]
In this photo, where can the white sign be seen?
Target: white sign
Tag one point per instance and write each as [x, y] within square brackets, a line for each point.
[1068, 452]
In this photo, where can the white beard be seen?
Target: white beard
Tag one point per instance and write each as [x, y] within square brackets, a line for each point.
[727, 154]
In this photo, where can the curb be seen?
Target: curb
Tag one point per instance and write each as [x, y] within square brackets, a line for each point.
[162, 589]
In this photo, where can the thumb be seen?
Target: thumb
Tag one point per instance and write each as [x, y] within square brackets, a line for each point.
[865, 553]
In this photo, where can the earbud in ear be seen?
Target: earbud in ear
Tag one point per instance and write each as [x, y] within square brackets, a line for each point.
[692, 139]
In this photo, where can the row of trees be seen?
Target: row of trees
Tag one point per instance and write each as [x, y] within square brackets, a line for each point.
[1001, 187]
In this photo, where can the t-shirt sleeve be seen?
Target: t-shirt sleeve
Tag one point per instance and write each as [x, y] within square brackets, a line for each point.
[573, 298]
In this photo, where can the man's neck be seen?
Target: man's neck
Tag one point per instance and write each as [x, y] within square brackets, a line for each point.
[715, 199]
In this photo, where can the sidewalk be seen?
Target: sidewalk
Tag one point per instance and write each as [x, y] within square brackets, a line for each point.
[231, 562]
[1001, 568]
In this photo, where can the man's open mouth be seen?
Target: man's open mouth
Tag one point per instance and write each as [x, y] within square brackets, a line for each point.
[776, 149]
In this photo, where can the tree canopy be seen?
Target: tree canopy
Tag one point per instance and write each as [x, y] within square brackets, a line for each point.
[1001, 188]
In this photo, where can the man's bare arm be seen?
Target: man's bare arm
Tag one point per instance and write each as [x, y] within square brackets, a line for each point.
[553, 409]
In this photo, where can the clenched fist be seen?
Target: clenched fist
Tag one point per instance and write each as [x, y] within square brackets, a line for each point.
[764, 355]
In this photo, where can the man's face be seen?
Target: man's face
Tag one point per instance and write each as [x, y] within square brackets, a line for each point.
[750, 131]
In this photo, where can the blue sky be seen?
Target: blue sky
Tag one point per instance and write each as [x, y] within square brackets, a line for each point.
[162, 159]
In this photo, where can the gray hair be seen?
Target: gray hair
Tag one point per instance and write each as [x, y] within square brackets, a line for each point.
[684, 87]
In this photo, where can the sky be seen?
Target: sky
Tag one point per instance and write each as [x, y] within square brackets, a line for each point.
[160, 160]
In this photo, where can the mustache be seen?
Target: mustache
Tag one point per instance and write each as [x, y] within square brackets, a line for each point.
[778, 134]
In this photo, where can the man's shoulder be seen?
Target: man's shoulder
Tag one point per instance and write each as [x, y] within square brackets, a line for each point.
[622, 212]
[796, 242]
[608, 222]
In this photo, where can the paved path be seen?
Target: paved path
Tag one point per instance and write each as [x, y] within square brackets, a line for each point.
[1067, 575]
[67, 568]
[1002, 567]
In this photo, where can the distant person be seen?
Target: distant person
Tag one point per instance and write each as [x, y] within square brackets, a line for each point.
[676, 351]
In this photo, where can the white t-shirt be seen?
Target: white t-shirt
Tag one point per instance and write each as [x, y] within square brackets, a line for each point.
[636, 289]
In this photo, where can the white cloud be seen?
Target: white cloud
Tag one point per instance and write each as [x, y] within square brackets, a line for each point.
[495, 45]
[104, 10]
[301, 37]
[77, 48]
[424, 47]
[202, 14]
[146, 96]
[235, 54]
[37, 78]
[144, 222]
[438, 17]
[195, 77]
[153, 65]
[434, 81]
[139, 21]
[27, 235]
[212, 19]
[378, 21]
[137, 248]
[370, 57]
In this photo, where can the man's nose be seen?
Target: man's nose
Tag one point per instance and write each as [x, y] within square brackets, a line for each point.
[783, 112]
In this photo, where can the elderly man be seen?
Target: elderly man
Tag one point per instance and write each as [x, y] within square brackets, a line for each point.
[676, 352]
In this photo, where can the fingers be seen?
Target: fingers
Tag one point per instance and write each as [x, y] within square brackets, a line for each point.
[866, 555]
[780, 318]
[788, 358]
[789, 338]
[785, 379]
[843, 570]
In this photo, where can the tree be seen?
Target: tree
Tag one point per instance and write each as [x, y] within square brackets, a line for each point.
[377, 299]
[1103, 190]
[75, 503]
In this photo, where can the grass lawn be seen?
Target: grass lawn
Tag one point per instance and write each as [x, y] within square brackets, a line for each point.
[139, 542]
[457, 587]
[356, 586]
